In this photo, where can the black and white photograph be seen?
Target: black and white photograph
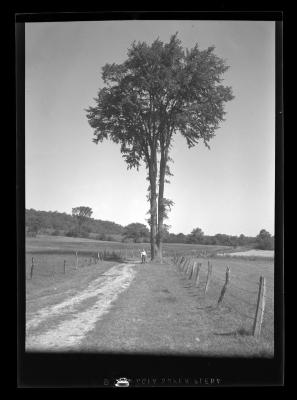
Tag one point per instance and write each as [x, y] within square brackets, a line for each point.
[149, 190]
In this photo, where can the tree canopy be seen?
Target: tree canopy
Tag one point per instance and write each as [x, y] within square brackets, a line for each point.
[265, 240]
[159, 91]
[33, 223]
[196, 236]
[82, 214]
[136, 231]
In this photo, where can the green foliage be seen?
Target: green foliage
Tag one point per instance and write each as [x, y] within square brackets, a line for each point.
[136, 231]
[264, 240]
[173, 238]
[109, 238]
[56, 233]
[63, 222]
[158, 91]
[196, 236]
[33, 224]
[72, 233]
[102, 236]
[45, 221]
[82, 214]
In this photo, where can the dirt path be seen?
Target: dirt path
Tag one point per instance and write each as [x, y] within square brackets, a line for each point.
[72, 318]
[158, 314]
[139, 308]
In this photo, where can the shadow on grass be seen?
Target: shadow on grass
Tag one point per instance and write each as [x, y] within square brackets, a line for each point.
[186, 286]
[207, 308]
[195, 294]
[237, 332]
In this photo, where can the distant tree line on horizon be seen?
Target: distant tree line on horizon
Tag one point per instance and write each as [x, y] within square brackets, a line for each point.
[80, 224]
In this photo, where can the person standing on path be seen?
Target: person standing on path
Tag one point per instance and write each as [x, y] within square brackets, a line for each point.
[143, 256]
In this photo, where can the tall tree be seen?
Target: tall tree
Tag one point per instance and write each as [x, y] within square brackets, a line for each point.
[82, 214]
[159, 91]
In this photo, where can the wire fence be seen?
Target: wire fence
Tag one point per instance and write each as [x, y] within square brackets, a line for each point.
[251, 301]
[52, 263]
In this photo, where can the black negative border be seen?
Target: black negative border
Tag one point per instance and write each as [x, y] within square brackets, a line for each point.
[90, 370]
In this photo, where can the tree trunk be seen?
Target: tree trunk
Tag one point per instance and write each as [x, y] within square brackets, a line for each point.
[153, 212]
[161, 208]
[153, 206]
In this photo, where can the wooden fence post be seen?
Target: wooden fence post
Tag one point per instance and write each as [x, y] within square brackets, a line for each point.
[208, 278]
[32, 268]
[188, 267]
[180, 263]
[185, 267]
[225, 285]
[64, 267]
[191, 270]
[198, 274]
[260, 308]
[194, 271]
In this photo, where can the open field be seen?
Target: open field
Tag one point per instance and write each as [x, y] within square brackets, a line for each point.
[238, 308]
[111, 306]
[253, 252]
[67, 245]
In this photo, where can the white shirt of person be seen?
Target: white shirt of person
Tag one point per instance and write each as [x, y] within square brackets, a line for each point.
[143, 253]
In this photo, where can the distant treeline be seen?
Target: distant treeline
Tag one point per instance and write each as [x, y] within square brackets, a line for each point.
[218, 239]
[263, 240]
[56, 223]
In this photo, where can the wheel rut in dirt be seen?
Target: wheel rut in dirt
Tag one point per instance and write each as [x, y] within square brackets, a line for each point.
[63, 326]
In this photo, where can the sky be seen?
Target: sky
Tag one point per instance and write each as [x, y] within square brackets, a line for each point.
[227, 189]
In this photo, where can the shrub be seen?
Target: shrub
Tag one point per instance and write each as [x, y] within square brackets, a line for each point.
[109, 239]
[265, 241]
[31, 233]
[71, 233]
[84, 235]
[265, 244]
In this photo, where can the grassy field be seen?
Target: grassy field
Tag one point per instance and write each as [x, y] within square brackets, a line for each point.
[226, 329]
[43, 242]
[238, 308]
[50, 253]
